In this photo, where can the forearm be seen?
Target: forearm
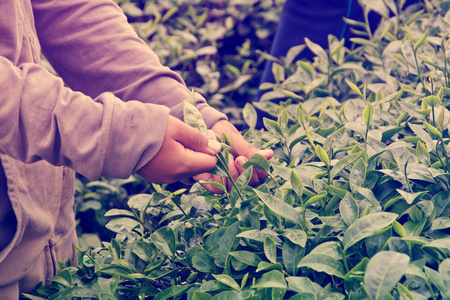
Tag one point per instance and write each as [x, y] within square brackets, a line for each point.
[42, 119]
[94, 49]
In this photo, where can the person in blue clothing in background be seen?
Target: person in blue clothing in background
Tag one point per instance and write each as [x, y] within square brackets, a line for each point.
[315, 20]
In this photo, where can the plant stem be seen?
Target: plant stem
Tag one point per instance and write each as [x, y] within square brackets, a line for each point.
[271, 177]
[418, 68]
[431, 291]
[444, 166]
[366, 20]
[434, 116]
[344, 257]
[230, 177]
[445, 63]
[407, 180]
[329, 177]
[366, 291]
[179, 207]
[365, 144]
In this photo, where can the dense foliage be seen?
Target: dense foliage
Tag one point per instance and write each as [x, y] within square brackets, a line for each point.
[356, 205]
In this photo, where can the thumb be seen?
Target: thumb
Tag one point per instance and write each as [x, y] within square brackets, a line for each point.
[193, 139]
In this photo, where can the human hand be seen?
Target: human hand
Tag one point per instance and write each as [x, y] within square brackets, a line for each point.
[243, 151]
[185, 152]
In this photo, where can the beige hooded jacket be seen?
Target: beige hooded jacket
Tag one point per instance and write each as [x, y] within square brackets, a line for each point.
[109, 122]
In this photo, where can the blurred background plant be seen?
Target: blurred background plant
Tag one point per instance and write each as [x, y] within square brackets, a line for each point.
[356, 205]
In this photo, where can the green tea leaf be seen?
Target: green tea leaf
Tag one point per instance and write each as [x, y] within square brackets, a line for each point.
[410, 198]
[227, 295]
[272, 279]
[302, 114]
[358, 173]
[367, 226]
[368, 114]
[291, 255]
[279, 207]
[201, 296]
[349, 209]
[172, 291]
[315, 198]
[259, 162]
[240, 184]
[355, 276]
[322, 155]
[270, 250]
[383, 272]
[399, 229]
[423, 154]
[421, 40]
[443, 243]
[164, 240]
[227, 241]
[246, 257]
[433, 131]
[343, 163]
[301, 284]
[273, 127]
[316, 49]
[441, 223]
[222, 164]
[415, 214]
[250, 115]
[432, 100]
[296, 183]
[296, 236]
[265, 266]
[227, 280]
[354, 87]
[194, 118]
[278, 72]
[323, 263]
[202, 262]
[405, 294]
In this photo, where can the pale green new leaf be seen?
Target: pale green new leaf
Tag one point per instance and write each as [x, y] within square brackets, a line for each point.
[322, 155]
[421, 40]
[368, 114]
[270, 250]
[354, 87]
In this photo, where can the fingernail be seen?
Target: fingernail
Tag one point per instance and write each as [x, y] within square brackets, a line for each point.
[265, 152]
[214, 146]
[241, 160]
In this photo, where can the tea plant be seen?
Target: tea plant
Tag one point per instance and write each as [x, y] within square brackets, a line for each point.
[356, 204]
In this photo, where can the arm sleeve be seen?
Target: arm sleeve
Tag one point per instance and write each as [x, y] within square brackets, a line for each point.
[43, 119]
[94, 49]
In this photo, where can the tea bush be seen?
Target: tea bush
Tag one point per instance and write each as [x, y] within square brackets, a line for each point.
[356, 205]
